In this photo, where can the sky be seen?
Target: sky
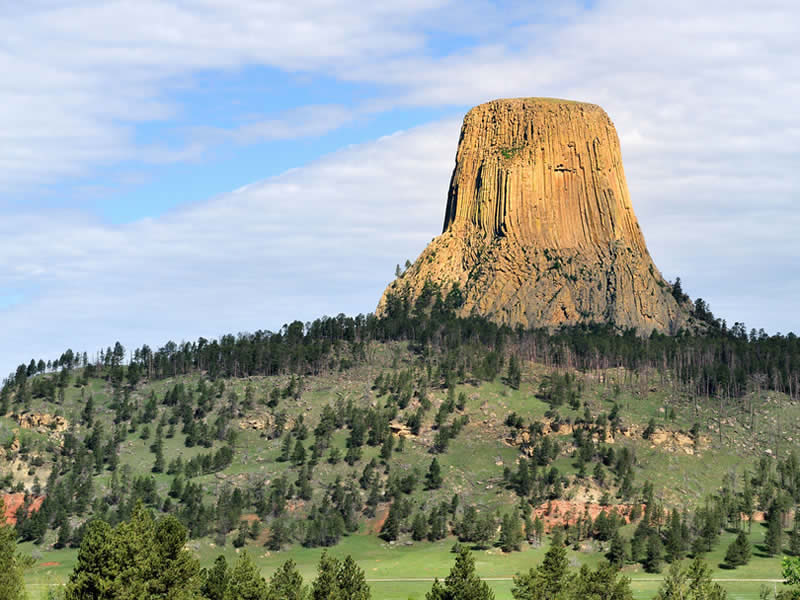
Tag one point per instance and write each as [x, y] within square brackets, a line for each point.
[185, 168]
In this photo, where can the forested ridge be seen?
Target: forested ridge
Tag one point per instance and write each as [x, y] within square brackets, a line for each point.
[348, 426]
[720, 360]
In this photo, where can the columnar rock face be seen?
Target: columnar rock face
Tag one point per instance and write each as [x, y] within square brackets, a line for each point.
[539, 229]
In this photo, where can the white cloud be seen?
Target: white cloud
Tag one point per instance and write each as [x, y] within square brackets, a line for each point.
[306, 121]
[78, 75]
[703, 95]
[321, 239]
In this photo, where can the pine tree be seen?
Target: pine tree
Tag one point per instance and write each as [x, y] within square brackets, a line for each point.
[351, 581]
[286, 583]
[739, 551]
[514, 372]
[326, 585]
[600, 583]
[299, 454]
[158, 465]
[616, 552]
[549, 579]
[654, 554]
[462, 583]
[773, 539]
[419, 528]
[12, 585]
[794, 536]
[433, 478]
[692, 582]
[674, 544]
[241, 537]
[245, 581]
[140, 558]
[64, 535]
[286, 448]
[387, 447]
[510, 533]
[391, 527]
[216, 580]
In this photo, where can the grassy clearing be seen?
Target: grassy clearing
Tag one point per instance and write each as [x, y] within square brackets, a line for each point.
[382, 561]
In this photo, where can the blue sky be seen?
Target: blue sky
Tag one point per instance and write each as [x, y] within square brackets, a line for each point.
[171, 169]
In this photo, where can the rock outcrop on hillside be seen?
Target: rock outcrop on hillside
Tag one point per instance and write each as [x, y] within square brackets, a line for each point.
[539, 229]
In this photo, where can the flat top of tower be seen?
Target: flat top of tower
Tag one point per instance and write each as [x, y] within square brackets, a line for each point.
[534, 102]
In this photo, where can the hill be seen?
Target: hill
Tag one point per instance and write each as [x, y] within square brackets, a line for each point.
[420, 428]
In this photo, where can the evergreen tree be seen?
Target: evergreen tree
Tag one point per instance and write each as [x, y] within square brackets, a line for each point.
[462, 583]
[692, 582]
[139, 559]
[677, 291]
[12, 585]
[279, 535]
[433, 478]
[514, 372]
[387, 447]
[299, 454]
[600, 584]
[245, 582]
[351, 581]
[286, 448]
[547, 581]
[794, 536]
[64, 535]
[739, 551]
[286, 583]
[510, 532]
[241, 536]
[616, 552]
[158, 465]
[773, 540]
[675, 544]
[654, 553]
[216, 580]
[419, 528]
[326, 585]
[391, 527]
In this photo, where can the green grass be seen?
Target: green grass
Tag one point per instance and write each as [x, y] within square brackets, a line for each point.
[382, 561]
[472, 467]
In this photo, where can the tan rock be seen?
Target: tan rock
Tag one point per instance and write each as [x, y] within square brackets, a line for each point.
[256, 423]
[539, 229]
[401, 430]
[41, 422]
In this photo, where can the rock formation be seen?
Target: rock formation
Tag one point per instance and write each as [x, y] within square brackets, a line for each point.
[539, 229]
[43, 422]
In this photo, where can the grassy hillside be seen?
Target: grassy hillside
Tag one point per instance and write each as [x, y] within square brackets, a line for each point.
[683, 448]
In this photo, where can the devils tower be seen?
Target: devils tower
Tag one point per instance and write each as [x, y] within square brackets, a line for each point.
[539, 229]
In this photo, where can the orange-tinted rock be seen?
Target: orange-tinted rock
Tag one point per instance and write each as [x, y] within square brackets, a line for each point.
[12, 502]
[539, 229]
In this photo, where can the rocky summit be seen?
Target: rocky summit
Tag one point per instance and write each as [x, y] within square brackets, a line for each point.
[539, 229]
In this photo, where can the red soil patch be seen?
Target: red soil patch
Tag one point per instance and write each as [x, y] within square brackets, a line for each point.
[50, 564]
[558, 513]
[249, 518]
[14, 501]
[379, 520]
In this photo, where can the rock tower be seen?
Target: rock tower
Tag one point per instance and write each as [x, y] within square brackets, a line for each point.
[539, 229]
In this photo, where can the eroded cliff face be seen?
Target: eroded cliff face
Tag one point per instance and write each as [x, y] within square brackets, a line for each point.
[539, 229]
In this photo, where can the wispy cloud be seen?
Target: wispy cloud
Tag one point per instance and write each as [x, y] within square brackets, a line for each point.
[322, 239]
[703, 95]
[305, 121]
